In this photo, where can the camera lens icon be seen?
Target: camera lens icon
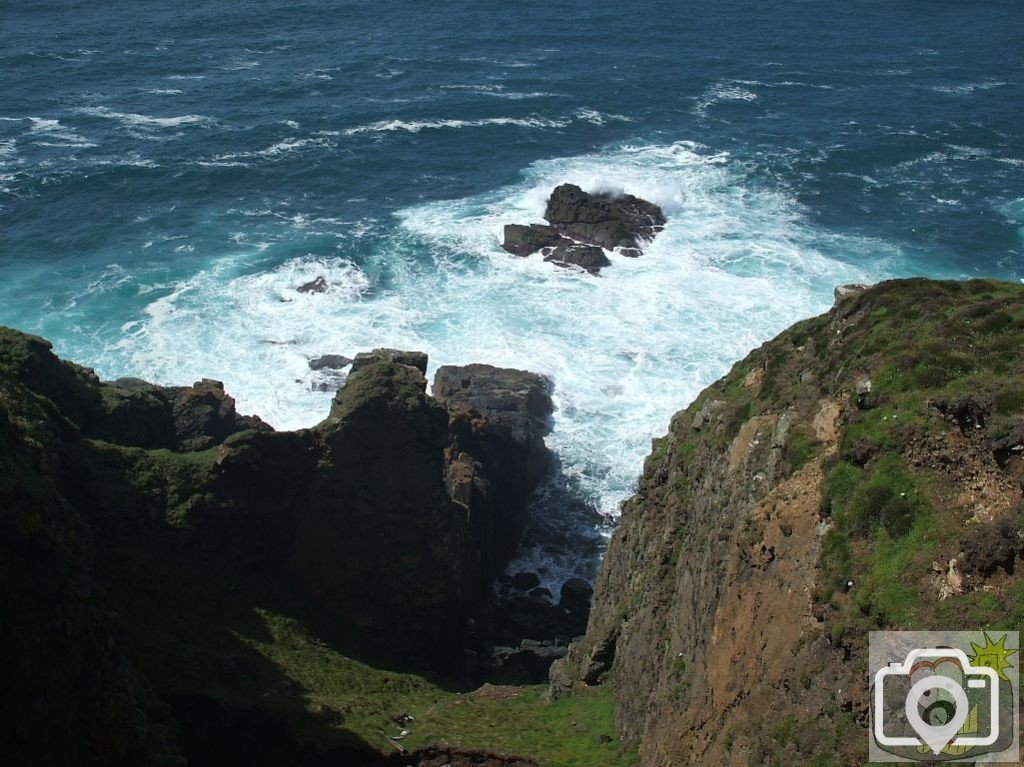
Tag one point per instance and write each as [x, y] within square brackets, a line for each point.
[936, 706]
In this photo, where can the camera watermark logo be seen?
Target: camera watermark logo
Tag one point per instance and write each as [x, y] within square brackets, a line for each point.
[944, 696]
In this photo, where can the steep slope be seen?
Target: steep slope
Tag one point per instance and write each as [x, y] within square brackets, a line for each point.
[861, 471]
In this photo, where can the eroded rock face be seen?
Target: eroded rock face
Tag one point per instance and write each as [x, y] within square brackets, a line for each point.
[187, 418]
[522, 240]
[588, 257]
[779, 514]
[392, 515]
[417, 360]
[581, 226]
[497, 457]
[603, 220]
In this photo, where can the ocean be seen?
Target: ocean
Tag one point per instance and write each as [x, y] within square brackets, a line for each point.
[170, 175]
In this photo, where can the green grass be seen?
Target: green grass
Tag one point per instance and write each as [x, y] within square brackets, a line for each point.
[800, 449]
[889, 519]
[198, 626]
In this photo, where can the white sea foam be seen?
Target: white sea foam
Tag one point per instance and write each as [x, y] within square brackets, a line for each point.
[128, 161]
[147, 122]
[281, 147]
[237, 64]
[502, 62]
[735, 264]
[599, 118]
[965, 89]
[163, 91]
[496, 90]
[415, 126]
[724, 91]
[46, 132]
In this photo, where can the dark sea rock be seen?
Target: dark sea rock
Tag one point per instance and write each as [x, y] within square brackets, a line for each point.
[588, 257]
[576, 595]
[517, 400]
[581, 226]
[603, 220]
[525, 581]
[329, 362]
[522, 240]
[319, 285]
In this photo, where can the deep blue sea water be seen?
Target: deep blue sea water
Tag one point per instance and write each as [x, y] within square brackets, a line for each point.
[170, 173]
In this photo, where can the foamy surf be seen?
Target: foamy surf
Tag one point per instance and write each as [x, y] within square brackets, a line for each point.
[735, 265]
[415, 126]
[146, 122]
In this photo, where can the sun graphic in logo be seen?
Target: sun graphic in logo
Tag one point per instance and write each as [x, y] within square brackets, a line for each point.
[993, 655]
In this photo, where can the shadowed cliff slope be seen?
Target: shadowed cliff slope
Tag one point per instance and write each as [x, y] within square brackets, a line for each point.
[861, 471]
[179, 579]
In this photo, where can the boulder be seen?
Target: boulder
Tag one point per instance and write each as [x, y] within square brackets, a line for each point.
[576, 593]
[525, 581]
[329, 362]
[522, 240]
[588, 257]
[603, 220]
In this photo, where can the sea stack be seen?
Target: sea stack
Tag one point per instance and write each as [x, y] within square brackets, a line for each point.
[581, 226]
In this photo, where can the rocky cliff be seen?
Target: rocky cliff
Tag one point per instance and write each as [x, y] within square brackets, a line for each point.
[861, 471]
[146, 531]
[182, 583]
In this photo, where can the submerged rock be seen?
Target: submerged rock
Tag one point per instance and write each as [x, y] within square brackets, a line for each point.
[319, 285]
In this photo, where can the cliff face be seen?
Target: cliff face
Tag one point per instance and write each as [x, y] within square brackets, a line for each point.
[861, 471]
[157, 524]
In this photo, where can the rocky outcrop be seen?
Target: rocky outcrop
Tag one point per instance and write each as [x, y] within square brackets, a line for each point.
[186, 418]
[522, 240]
[329, 362]
[496, 457]
[581, 226]
[587, 257]
[604, 220]
[319, 285]
[185, 514]
[416, 360]
[837, 481]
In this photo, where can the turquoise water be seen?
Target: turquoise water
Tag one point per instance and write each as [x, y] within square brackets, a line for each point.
[167, 179]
